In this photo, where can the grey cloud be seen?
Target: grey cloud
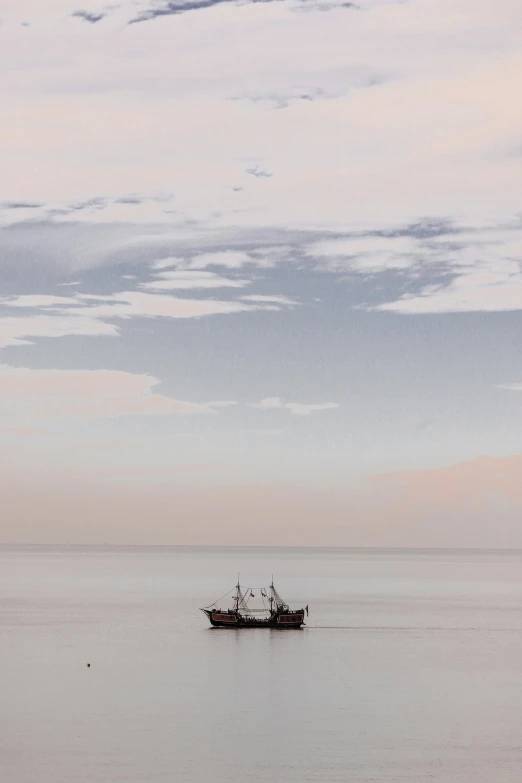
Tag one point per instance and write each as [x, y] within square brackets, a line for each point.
[174, 7]
[258, 172]
[50, 246]
[102, 202]
[325, 5]
[321, 86]
[425, 228]
[20, 205]
[283, 100]
[129, 200]
[95, 203]
[89, 17]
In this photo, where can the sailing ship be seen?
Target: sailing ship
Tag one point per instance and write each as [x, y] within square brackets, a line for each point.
[274, 612]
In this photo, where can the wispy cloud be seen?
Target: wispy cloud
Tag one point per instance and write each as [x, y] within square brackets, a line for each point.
[320, 86]
[38, 300]
[258, 172]
[306, 409]
[270, 299]
[230, 259]
[88, 314]
[370, 253]
[167, 263]
[182, 279]
[480, 275]
[295, 408]
[19, 205]
[175, 7]
[88, 16]
[282, 100]
[510, 386]
[23, 330]
[56, 395]
[137, 303]
[448, 268]
[438, 266]
[268, 403]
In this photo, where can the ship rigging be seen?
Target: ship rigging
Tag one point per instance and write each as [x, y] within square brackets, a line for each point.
[274, 612]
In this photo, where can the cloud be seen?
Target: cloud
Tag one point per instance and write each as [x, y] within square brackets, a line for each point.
[439, 266]
[276, 299]
[258, 172]
[268, 403]
[480, 288]
[300, 409]
[129, 200]
[88, 16]
[231, 259]
[192, 279]
[90, 203]
[326, 5]
[28, 396]
[61, 250]
[23, 330]
[87, 314]
[510, 386]
[37, 300]
[431, 139]
[87, 319]
[20, 205]
[295, 408]
[175, 7]
[370, 253]
[283, 100]
[107, 209]
[56, 395]
[446, 267]
[321, 85]
[129, 304]
[165, 263]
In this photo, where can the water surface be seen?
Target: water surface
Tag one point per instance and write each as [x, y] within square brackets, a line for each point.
[409, 669]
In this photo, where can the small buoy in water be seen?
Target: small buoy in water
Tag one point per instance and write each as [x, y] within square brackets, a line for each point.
[88, 665]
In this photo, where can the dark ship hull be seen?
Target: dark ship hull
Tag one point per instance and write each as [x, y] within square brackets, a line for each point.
[274, 613]
[234, 620]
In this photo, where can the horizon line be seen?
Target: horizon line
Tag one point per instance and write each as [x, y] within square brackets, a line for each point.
[6, 545]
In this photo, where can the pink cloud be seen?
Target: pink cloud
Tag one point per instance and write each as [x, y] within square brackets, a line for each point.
[53, 395]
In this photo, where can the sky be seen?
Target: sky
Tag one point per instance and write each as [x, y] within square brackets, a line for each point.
[261, 272]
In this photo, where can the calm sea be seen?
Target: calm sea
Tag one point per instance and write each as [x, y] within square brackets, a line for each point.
[409, 669]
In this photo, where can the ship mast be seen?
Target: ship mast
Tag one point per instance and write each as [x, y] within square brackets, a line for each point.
[238, 593]
[274, 596]
[240, 599]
